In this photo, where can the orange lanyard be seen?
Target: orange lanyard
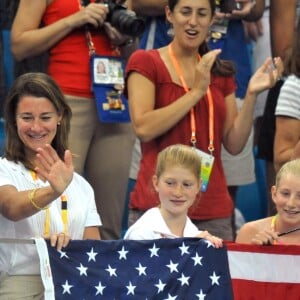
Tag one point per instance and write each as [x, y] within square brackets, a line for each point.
[192, 112]
[64, 211]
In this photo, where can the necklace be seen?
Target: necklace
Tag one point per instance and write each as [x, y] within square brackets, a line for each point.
[273, 222]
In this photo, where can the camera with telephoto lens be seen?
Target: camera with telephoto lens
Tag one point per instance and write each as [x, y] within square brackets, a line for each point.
[124, 20]
[227, 6]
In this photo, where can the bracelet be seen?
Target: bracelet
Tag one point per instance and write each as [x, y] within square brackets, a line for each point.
[31, 195]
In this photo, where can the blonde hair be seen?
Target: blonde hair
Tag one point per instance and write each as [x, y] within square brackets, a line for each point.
[289, 168]
[178, 155]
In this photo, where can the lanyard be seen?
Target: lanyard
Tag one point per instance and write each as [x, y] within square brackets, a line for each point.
[90, 43]
[64, 211]
[273, 222]
[192, 112]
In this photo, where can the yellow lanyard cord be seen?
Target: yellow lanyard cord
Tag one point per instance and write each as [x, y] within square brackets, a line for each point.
[47, 223]
[273, 226]
[64, 212]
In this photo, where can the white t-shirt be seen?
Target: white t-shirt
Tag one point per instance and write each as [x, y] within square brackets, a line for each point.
[82, 212]
[288, 103]
[151, 225]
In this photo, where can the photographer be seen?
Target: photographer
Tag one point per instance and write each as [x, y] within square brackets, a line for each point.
[67, 30]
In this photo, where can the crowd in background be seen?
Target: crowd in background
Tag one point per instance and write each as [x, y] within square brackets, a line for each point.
[220, 80]
[250, 37]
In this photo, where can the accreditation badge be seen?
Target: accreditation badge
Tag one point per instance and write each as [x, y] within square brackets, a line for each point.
[108, 85]
[207, 161]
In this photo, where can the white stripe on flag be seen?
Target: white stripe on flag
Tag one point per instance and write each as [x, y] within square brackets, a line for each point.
[45, 268]
[264, 267]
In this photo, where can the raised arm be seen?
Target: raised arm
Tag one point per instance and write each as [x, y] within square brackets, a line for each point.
[282, 23]
[16, 205]
[238, 125]
[29, 39]
[286, 138]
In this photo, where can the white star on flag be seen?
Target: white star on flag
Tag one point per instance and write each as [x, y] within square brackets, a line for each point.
[82, 270]
[160, 286]
[172, 267]
[201, 296]
[184, 279]
[130, 288]
[67, 288]
[214, 279]
[141, 269]
[123, 253]
[63, 254]
[153, 251]
[92, 255]
[111, 271]
[197, 259]
[209, 244]
[100, 289]
[184, 249]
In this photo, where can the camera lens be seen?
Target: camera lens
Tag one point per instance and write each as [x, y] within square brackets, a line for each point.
[127, 23]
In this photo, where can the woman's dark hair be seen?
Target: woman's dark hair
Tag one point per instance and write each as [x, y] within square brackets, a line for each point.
[292, 55]
[37, 85]
[173, 3]
[220, 67]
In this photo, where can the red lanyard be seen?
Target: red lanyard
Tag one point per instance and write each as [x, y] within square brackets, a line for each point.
[90, 43]
[192, 112]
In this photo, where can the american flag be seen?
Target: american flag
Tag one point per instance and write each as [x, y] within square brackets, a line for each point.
[264, 272]
[183, 268]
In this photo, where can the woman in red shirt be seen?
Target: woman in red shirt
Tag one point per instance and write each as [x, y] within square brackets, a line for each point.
[188, 97]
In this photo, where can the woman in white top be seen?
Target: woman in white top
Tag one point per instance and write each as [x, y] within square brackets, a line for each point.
[40, 195]
[177, 182]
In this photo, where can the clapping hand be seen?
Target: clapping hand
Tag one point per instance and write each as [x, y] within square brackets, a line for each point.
[266, 76]
[203, 71]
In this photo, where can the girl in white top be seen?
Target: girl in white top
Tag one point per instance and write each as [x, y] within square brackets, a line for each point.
[284, 227]
[177, 182]
[40, 195]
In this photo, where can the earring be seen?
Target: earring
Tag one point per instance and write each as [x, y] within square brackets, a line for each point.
[170, 31]
[58, 123]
